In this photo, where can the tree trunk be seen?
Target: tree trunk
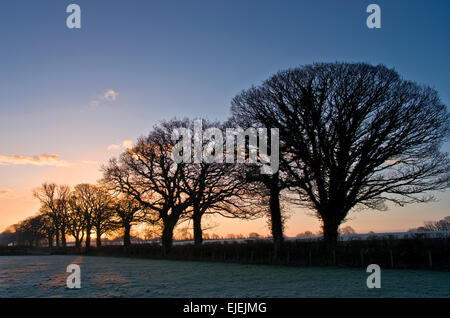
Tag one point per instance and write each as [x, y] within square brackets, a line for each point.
[330, 231]
[50, 240]
[198, 232]
[57, 237]
[77, 243]
[99, 239]
[88, 239]
[126, 236]
[63, 238]
[167, 236]
[276, 221]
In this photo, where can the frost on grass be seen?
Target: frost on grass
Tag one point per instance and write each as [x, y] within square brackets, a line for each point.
[45, 276]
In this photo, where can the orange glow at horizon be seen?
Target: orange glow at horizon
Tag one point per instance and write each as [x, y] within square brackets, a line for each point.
[17, 203]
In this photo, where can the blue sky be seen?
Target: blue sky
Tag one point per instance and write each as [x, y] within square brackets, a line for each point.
[162, 59]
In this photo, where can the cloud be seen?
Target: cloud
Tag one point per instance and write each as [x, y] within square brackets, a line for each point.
[4, 191]
[126, 144]
[110, 95]
[39, 160]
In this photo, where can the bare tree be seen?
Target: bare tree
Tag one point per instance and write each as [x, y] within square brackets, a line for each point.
[215, 187]
[149, 175]
[76, 222]
[128, 212]
[102, 212]
[54, 203]
[86, 201]
[49, 228]
[441, 225]
[30, 232]
[347, 230]
[8, 236]
[153, 230]
[353, 135]
[305, 234]
[269, 186]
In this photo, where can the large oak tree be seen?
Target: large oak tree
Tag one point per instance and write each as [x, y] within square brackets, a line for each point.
[353, 135]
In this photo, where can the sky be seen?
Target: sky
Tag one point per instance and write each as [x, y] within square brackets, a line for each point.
[70, 99]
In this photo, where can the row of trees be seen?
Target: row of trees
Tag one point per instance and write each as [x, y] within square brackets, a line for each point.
[173, 192]
[77, 213]
[352, 136]
[433, 226]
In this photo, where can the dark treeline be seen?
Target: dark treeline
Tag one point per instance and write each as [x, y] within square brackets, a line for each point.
[351, 136]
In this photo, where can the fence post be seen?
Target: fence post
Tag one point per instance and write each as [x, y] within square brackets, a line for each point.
[430, 260]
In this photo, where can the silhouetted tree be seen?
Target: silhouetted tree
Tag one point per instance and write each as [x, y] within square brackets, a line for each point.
[86, 201]
[441, 225]
[49, 228]
[76, 222]
[30, 231]
[354, 135]
[305, 234]
[102, 212]
[54, 204]
[8, 236]
[128, 212]
[214, 187]
[347, 230]
[268, 186]
[148, 174]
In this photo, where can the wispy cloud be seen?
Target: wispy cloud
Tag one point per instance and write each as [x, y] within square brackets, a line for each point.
[39, 160]
[4, 191]
[110, 95]
[126, 144]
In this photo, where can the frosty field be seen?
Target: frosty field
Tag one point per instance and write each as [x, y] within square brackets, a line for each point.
[45, 276]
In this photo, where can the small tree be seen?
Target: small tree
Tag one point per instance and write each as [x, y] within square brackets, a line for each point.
[305, 234]
[102, 213]
[441, 225]
[91, 202]
[76, 221]
[128, 212]
[347, 230]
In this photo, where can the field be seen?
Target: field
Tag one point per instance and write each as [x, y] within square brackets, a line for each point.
[45, 276]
